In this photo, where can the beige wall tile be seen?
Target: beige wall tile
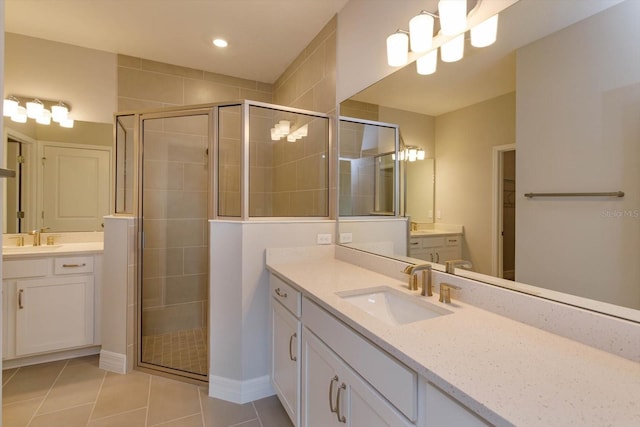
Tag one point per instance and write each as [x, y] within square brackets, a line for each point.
[256, 95]
[155, 204]
[311, 173]
[172, 318]
[193, 125]
[160, 175]
[230, 81]
[229, 122]
[186, 204]
[149, 86]
[202, 92]
[196, 177]
[131, 104]
[284, 178]
[129, 61]
[311, 71]
[186, 288]
[174, 147]
[176, 70]
[162, 262]
[196, 260]
[304, 101]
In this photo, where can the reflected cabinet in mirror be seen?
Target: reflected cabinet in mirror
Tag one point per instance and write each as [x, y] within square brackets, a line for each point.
[552, 107]
[63, 177]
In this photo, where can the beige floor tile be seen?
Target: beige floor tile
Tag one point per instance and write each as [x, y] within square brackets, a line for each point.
[137, 418]
[271, 412]
[31, 382]
[7, 374]
[170, 400]
[218, 413]
[78, 384]
[121, 393]
[192, 421]
[252, 423]
[73, 417]
[19, 414]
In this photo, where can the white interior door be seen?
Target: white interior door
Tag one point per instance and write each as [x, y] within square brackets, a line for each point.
[75, 189]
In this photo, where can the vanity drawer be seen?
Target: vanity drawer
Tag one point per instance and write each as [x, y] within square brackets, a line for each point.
[415, 243]
[285, 294]
[18, 269]
[452, 240]
[432, 242]
[73, 265]
[395, 381]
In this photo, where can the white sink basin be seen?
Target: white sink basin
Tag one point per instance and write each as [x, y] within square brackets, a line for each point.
[392, 306]
[28, 249]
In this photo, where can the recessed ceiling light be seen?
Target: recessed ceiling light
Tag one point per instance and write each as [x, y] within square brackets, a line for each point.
[220, 42]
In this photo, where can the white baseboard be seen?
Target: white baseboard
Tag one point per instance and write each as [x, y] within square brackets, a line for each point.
[114, 362]
[240, 391]
[49, 357]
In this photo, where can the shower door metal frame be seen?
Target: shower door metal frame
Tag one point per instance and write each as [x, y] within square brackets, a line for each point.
[138, 203]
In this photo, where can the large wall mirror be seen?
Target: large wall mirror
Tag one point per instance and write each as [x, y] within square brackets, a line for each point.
[552, 107]
[62, 181]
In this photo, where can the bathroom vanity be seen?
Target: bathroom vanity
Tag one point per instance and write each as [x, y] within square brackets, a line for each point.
[426, 363]
[51, 300]
[436, 244]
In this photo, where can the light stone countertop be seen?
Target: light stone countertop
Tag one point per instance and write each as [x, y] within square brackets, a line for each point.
[433, 233]
[29, 251]
[507, 372]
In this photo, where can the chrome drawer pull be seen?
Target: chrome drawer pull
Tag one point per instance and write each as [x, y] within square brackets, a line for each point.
[280, 293]
[20, 292]
[331, 408]
[73, 265]
[291, 356]
[341, 418]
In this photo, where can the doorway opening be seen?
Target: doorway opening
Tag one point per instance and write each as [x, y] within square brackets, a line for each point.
[504, 211]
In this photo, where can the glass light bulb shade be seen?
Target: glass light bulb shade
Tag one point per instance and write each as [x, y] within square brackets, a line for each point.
[275, 136]
[9, 107]
[453, 16]
[485, 33]
[428, 63]
[421, 32]
[20, 116]
[291, 138]
[285, 127]
[45, 117]
[421, 154]
[67, 123]
[59, 113]
[397, 49]
[413, 154]
[393, 156]
[34, 109]
[453, 50]
[303, 131]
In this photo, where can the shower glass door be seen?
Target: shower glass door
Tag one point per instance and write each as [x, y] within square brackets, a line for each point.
[173, 311]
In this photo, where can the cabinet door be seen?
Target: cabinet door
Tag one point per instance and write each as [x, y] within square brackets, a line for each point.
[53, 314]
[286, 359]
[320, 382]
[335, 395]
[447, 254]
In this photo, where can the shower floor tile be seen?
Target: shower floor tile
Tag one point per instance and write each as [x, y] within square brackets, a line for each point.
[184, 350]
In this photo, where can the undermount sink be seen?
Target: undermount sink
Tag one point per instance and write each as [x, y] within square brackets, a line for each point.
[392, 306]
[28, 249]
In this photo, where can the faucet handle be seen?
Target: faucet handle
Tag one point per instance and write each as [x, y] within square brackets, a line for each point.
[450, 266]
[44, 229]
[445, 292]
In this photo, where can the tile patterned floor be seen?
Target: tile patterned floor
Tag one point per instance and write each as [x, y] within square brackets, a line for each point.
[185, 350]
[76, 393]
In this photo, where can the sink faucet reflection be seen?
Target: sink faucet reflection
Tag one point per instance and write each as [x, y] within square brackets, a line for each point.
[450, 266]
[412, 270]
[36, 235]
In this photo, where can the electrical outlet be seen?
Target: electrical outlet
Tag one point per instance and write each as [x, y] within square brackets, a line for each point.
[323, 239]
[438, 214]
[346, 237]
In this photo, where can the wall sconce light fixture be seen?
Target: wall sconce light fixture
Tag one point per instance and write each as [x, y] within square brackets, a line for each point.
[43, 112]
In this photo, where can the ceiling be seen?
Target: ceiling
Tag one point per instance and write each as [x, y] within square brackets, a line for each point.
[264, 36]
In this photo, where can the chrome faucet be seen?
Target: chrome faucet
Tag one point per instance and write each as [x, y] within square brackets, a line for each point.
[412, 270]
[450, 266]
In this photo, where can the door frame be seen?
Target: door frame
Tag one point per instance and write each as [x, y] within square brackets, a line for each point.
[496, 207]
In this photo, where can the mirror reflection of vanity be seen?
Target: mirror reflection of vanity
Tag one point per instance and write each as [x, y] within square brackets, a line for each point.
[62, 181]
[561, 88]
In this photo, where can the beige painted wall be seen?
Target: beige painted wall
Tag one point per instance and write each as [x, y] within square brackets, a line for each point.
[84, 78]
[578, 132]
[464, 170]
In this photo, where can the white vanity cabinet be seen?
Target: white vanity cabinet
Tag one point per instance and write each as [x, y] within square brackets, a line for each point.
[347, 380]
[285, 361]
[49, 304]
[437, 249]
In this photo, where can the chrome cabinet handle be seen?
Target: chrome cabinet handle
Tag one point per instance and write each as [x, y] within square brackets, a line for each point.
[73, 265]
[20, 305]
[341, 417]
[431, 255]
[438, 257]
[280, 293]
[291, 356]
[333, 380]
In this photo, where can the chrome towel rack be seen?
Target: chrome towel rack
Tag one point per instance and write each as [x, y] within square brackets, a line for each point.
[606, 194]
